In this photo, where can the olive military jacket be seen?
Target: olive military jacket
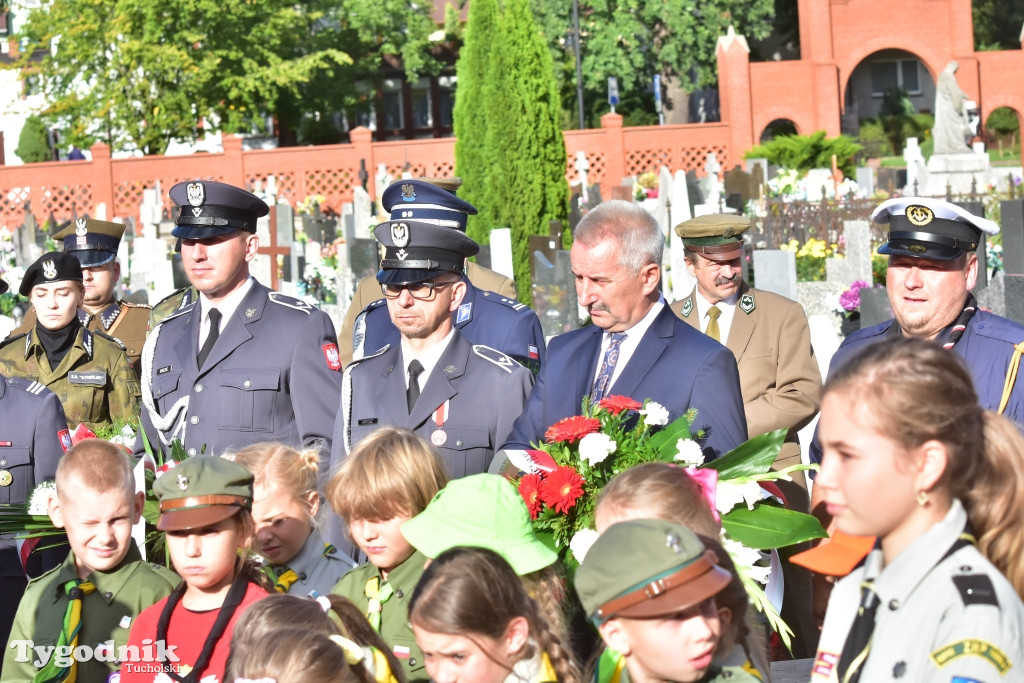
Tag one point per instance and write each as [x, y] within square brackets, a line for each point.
[107, 613]
[394, 623]
[95, 381]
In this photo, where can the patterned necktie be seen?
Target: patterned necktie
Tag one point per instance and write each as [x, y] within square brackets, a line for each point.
[377, 594]
[76, 589]
[413, 392]
[211, 336]
[858, 642]
[611, 357]
[713, 313]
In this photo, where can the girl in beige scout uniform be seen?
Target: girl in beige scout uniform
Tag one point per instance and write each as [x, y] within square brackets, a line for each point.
[476, 624]
[284, 508]
[911, 458]
[390, 476]
[88, 370]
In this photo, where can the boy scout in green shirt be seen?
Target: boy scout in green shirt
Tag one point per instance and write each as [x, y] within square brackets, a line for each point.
[72, 620]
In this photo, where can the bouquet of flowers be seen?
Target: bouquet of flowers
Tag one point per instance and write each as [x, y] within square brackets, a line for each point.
[565, 475]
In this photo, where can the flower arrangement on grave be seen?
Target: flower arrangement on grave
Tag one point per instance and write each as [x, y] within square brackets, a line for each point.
[849, 300]
[311, 205]
[564, 476]
[810, 258]
[646, 186]
[320, 281]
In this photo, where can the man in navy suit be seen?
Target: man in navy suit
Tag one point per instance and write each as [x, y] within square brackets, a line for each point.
[636, 346]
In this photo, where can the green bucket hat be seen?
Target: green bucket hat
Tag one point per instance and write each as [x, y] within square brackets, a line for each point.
[484, 511]
[201, 491]
[646, 568]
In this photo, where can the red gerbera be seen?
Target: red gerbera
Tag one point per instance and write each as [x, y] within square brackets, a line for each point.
[562, 489]
[616, 404]
[529, 489]
[571, 429]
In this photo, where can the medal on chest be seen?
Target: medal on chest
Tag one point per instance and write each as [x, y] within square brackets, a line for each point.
[439, 437]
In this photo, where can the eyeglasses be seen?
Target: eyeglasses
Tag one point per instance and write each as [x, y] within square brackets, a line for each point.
[417, 290]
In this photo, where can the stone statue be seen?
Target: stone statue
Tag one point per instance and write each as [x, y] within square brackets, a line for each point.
[951, 131]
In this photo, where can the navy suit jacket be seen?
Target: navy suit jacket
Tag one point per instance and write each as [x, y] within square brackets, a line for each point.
[675, 365]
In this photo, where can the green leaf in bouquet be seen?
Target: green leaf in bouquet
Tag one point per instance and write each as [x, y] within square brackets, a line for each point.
[751, 458]
[178, 452]
[664, 442]
[768, 526]
[151, 511]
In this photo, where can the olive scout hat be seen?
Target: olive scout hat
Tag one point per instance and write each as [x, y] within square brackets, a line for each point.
[482, 510]
[201, 491]
[646, 568]
[718, 237]
[209, 209]
[54, 266]
[92, 242]
[930, 228]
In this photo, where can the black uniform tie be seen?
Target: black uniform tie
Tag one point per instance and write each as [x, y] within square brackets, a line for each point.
[413, 392]
[858, 642]
[211, 337]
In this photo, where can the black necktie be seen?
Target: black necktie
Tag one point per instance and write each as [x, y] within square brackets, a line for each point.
[858, 642]
[211, 336]
[413, 392]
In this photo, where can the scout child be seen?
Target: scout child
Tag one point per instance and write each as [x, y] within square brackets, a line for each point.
[390, 476]
[649, 587]
[205, 505]
[475, 623]
[284, 508]
[92, 599]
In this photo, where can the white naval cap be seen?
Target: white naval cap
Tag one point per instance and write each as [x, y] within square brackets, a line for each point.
[930, 228]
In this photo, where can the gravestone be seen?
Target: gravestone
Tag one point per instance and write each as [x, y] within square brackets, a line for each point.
[362, 213]
[681, 281]
[758, 169]
[623, 192]
[892, 179]
[866, 180]
[775, 271]
[874, 306]
[693, 191]
[363, 257]
[820, 184]
[554, 293]
[740, 184]
[976, 208]
[501, 251]
[857, 263]
[917, 171]
[1012, 230]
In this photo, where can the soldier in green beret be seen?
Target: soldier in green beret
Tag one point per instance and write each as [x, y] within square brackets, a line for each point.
[649, 587]
[89, 371]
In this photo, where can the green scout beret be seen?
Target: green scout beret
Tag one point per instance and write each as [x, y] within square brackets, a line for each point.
[716, 236]
[201, 491]
[647, 568]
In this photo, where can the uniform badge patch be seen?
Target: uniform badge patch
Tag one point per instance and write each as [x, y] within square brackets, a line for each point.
[196, 193]
[5, 478]
[824, 663]
[465, 311]
[687, 308]
[917, 248]
[49, 270]
[408, 192]
[972, 647]
[331, 354]
[400, 234]
[919, 215]
[64, 436]
[182, 482]
[747, 303]
[533, 352]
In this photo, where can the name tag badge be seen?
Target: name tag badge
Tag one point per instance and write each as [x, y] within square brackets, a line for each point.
[96, 378]
[165, 369]
[366, 421]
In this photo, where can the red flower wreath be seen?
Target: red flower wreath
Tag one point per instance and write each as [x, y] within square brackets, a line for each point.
[572, 429]
[617, 404]
[529, 488]
[561, 489]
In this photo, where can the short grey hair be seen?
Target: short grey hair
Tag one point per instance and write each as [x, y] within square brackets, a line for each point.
[634, 229]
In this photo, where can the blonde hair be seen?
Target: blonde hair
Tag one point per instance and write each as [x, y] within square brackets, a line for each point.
[295, 655]
[915, 391]
[390, 472]
[98, 465]
[275, 464]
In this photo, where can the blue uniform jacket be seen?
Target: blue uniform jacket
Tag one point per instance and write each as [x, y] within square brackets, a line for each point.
[986, 347]
[675, 365]
[483, 317]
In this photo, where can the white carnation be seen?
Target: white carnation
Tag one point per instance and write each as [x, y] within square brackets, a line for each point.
[595, 447]
[39, 503]
[655, 414]
[728, 495]
[689, 452]
[581, 542]
[746, 559]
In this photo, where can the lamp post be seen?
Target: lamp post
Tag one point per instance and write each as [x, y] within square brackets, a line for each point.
[579, 65]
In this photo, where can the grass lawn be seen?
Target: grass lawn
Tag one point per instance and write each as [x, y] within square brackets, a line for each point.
[1004, 157]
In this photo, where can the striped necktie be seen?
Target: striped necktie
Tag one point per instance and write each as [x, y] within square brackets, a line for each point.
[377, 594]
[76, 589]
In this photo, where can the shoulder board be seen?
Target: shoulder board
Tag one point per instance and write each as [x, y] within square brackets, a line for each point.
[87, 341]
[129, 304]
[998, 327]
[497, 357]
[175, 293]
[976, 589]
[496, 298]
[28, 385]
[374, 304]
[117, 341]
[13, 339]
[291, 302]
[177, 313]
[379, 352]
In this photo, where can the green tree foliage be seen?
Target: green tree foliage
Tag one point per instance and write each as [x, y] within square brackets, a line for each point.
[32, 143]
[634, 39]
[997, 24]
[804, 152]
[138, 73]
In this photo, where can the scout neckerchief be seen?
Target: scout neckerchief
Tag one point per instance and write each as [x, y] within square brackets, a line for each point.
[283, 581]
[370, 658]
[76, 589]
[377, 593]
[234, 598]
[956, 330]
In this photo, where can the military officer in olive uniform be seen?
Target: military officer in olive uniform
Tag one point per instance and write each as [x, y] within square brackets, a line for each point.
[89, 371]
[242, 364]
[462, 397]
[484, 317]
[94, 243]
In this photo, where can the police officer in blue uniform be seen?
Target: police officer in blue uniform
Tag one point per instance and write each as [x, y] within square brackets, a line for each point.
[242, 364]
[484, 317]
[461, 396]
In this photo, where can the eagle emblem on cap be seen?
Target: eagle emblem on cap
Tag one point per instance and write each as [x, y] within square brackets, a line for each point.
[400, 234]
[917, 248]
[182, 482]
[408, 192]
[919, 215]
[80, 229]
[49, 270]
[728, 232]
[196, 194]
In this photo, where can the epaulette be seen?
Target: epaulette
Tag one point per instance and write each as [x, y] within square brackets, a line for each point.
[291, 302]
[177, 314]
[177, 292]
[113, 339]
[379, 352]
[497, 357]
[374, 304]
[28, 385]
[976, 589]
[87, 341]
[496, 298]
[13, 339]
